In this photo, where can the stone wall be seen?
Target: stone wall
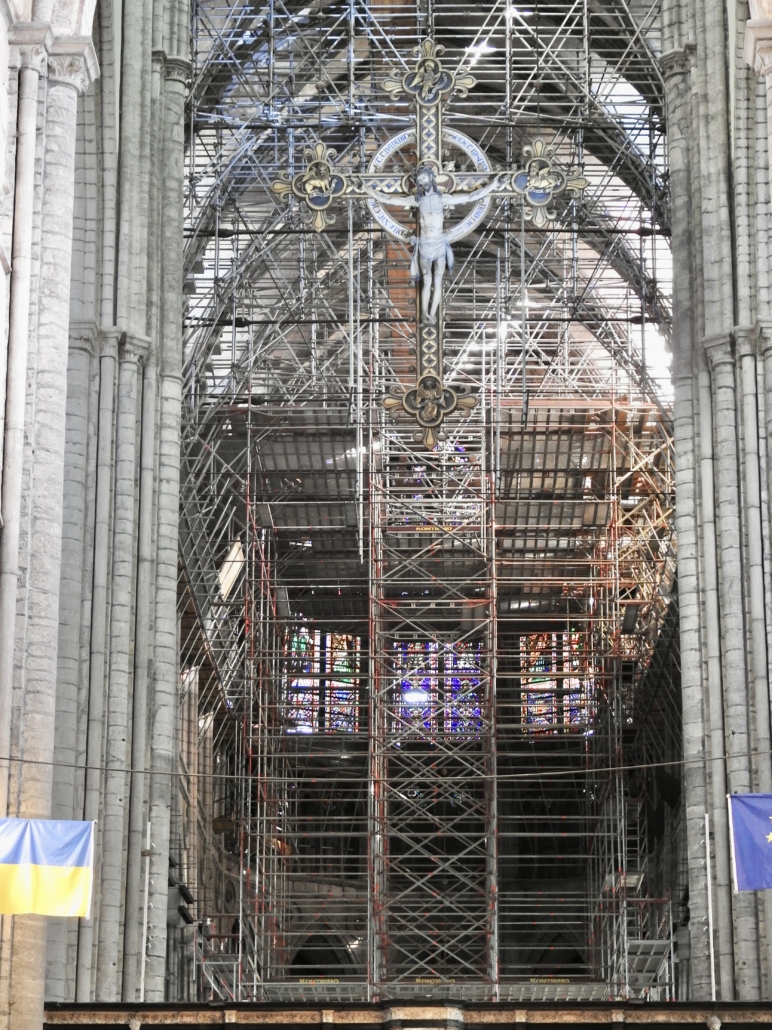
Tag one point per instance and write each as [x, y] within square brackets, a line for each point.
[719, 169]
[91, 119]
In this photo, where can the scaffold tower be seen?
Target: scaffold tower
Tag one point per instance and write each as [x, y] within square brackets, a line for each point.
[427, 667]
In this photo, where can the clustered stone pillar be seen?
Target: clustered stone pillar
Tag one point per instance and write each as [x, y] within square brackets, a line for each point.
[90, 479]
[33, 464]
[676, 69]
[176, 72]
[758, 48]
[32, 60]
[718, 142]
[757, 352]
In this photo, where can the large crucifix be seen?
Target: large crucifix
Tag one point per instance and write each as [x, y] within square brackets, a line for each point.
[431, 189]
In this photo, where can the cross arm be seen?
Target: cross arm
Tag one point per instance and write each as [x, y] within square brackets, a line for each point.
[383, 196]
[451, 199]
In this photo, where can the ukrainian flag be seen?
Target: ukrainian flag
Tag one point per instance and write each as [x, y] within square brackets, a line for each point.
[46, 867]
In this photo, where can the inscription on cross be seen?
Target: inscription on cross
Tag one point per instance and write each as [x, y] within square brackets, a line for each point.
[431, 189]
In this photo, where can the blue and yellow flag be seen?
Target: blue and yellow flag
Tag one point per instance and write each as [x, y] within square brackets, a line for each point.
[750, 818]
[46, 867]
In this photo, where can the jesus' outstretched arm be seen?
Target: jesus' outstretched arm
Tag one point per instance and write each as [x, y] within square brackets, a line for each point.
[391, 199]
[451, 199]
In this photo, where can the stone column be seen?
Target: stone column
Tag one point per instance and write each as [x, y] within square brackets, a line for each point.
[62, 934]
[32, 60]
[117, 749]
[758, 49]
[98, 644]
[142, 675]
[720, 351]
[79, 414]
[708, 600]
[128, 683]
[758, 54]
[677, 73]
[748, 347]
[166, 682]
[67, 76]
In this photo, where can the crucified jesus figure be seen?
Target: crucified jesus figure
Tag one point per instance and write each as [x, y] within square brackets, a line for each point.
[431, 249]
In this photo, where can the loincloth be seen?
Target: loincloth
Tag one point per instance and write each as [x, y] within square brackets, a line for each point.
[430, 250]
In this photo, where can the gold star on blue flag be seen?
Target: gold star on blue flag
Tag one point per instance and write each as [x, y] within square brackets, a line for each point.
[749, 817]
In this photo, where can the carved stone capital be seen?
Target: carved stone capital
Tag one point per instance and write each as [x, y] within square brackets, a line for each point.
[764, 343]
[174, 69]
[134, 348]
[70, 70]
[719, 350]
[109, 341]
[177, 69]
[763, 62]
[758, 45]
[82, 336]
[73, 61]
[27, 36]
[675, 62]
[32, 55]
[747, 340]
[158, 58]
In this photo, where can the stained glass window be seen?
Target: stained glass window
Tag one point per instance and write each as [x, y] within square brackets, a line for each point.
[342, 669]
[555, 681]
[463, 686]
[321, 692]
[577, 686]
[302, 694]
[438, 687]
[415, 701]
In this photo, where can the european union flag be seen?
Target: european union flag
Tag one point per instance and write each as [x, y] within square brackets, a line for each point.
[750, 817]
[46, 867]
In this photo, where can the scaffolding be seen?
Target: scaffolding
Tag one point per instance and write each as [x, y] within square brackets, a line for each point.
[427, 678]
